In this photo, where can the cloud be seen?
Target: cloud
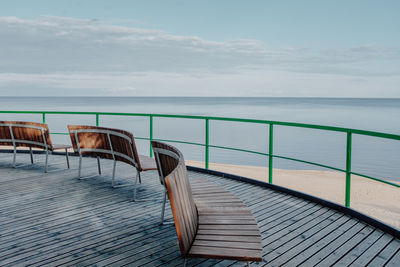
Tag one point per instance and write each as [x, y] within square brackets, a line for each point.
[87, 55]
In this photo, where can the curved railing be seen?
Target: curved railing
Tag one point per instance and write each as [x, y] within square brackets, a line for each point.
[348, 171]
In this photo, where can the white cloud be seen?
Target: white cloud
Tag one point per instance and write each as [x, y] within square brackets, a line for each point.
[86, 55]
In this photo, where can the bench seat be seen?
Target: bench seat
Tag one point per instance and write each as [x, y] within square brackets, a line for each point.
[226, 225]
[210, 221]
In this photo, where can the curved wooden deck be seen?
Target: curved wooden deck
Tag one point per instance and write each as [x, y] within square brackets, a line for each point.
[54, 219]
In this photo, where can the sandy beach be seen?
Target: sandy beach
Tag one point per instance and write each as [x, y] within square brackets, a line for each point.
[373, 198]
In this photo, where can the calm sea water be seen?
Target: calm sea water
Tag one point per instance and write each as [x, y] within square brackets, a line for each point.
[371, 156]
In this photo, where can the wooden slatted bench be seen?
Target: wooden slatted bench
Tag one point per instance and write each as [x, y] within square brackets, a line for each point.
[210, 221]
[109, 143]
[29, 134]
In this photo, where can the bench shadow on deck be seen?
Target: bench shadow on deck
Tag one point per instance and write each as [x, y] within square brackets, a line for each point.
[56, 219]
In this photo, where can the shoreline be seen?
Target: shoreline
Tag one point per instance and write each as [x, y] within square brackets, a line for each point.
[375, 199]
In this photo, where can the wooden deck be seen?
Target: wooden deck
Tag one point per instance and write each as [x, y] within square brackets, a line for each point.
[55, 219]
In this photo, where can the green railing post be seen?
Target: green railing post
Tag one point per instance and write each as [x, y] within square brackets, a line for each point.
[97, 119]
[348, 169]
[44, 117]
[271, 151]
[207, 142]
[151, 135]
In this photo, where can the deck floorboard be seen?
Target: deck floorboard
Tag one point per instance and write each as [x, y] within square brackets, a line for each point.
[54, 219]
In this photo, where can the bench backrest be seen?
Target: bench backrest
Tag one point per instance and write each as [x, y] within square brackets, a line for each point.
[27, 134]
[171, 166]
[104, 142]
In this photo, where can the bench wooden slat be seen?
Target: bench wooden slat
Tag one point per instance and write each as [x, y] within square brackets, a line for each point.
[216, 196]
[186, 208]
[218, 200]
[239, 238]
[225, 210]
[227, 227]
[226, 253]
[183, 238]
[229, 232]
[209, 192]
[229, 217]
[207, 186]
[226, 244]
[211, 204]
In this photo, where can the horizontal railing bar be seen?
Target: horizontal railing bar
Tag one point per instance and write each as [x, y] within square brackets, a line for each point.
[241, 150]
[281, 157]
[179, 142]
[376, 179]
[291, 124]
[172, 141]
[310, 162]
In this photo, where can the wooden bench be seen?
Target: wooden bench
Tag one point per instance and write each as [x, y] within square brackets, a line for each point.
[29, 134]
[108, 143]
[210, 221]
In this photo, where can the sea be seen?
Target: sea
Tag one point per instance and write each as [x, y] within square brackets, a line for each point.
[371, 156]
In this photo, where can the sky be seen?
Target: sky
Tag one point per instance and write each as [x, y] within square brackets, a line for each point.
[308, 48]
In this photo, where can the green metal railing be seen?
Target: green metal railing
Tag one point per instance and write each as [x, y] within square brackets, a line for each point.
[349, 134]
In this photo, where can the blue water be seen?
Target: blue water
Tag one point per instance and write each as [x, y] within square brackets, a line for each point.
[371, 156]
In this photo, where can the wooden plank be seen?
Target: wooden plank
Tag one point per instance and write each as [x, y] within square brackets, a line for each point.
[346, 247]
[177, 213]
[228, 221]
[222, 216]
[238, 238]
[275, 229]
[227, 244]
[395, 260]
[386, 254]
[123, 245]
[229, 232]
[283, 243]
[303, 241]
[301, 257]
[369, 254]
[225, 253]
[239, 205]
[206, 201]
[228, 227]
[359, 249]
[207, 210]
[280, 215]
[336, 243]
[39, 254]
[47, 235]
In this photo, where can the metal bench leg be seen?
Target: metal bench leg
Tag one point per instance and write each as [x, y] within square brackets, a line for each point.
[66, 156]
[15, 157]
[113, 177]
[184, 262]
[80, 167]
[30, 150]
[135, 185]
[98, 165]
[47, 159]
[163, 206]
